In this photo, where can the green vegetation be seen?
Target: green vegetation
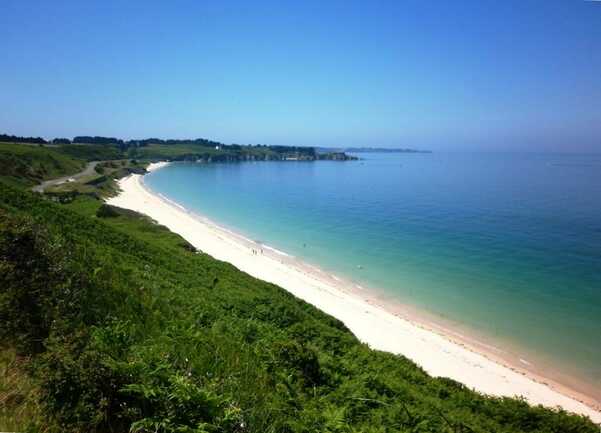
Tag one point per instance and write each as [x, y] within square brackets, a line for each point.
[92, 152]
[18, 398]
[111, 323]
[99, 183]
[107, 148]
[27, 165]
[194, 152]
[15, 139]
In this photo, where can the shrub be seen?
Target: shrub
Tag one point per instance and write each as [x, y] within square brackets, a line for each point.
[107, 211]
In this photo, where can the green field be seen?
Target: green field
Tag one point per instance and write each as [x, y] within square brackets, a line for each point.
[111, 323]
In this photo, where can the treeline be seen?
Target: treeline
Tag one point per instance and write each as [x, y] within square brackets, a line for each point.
[15, 139]
[197, 141]
[81, 139]
[112, 141]
[86, 139]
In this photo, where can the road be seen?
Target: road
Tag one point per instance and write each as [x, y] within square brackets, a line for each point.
[89, 170]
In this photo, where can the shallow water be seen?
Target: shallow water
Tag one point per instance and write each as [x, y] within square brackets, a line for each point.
[505, 245]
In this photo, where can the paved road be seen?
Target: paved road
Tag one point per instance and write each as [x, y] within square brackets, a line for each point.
[89, 170]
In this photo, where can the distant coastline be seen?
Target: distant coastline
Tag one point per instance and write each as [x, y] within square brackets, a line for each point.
[371, 150]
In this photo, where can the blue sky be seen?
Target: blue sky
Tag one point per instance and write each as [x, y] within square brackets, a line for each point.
[482, 75]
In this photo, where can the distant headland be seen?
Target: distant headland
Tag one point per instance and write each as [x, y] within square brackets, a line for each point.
[371, 150]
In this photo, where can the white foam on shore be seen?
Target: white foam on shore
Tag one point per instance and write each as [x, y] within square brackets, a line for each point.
[275, 250]
[382, 330]
[173, 203]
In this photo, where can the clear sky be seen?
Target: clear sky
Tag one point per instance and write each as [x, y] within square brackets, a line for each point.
[444, 75]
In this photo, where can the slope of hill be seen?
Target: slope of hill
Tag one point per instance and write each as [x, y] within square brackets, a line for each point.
[27, 165]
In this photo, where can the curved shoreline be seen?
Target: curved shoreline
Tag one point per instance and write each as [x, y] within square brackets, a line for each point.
[438, 352]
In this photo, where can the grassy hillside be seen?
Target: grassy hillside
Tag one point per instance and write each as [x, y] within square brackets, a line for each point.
[99, 183]
[111, 323]
[91, 152]
[27, 165]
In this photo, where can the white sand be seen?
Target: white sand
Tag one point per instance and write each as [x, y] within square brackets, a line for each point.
[380, 329]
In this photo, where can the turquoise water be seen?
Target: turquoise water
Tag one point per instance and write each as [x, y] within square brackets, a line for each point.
[506, 245]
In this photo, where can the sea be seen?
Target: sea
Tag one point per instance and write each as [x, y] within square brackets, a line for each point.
[505, 247]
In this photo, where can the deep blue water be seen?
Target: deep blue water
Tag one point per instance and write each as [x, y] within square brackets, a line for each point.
[506, 245]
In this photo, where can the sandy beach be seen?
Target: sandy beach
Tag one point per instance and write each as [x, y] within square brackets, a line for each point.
[380, 328]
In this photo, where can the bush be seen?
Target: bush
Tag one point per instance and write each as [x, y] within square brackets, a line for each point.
[107, 211]
[32, 274]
